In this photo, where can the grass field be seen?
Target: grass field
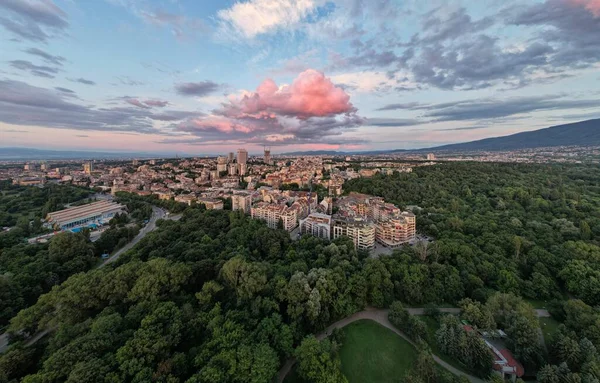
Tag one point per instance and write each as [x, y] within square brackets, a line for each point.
[549, 328]
[372, 353]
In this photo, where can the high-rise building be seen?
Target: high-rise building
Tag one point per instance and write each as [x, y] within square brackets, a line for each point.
[135, 162]
[88, 167]
[44, 166]
[267, 157]
[431, 157]
[242, 156]
[230, 157]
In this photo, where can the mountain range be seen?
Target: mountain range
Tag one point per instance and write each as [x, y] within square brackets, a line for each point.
[583, 133]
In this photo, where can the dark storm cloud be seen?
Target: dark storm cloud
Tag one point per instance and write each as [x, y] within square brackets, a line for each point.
[485, 109]
[201, 88]
[36, 70]
[33, 20]
[55, 60]
[23, 104]
[82, 81]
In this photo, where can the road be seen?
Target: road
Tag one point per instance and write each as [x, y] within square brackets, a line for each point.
[381, 316]
[157, 213]
[150, 226]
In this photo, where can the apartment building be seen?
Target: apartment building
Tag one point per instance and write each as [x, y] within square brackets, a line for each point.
[317, 224]
[274, 213]
[360, 231]
[241, 201]
[211, 203]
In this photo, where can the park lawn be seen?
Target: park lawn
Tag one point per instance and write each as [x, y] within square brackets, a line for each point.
[372, 353]
[549, 327]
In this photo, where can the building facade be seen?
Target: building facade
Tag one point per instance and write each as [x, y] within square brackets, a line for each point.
[316, 224]
[241, 201]
[273, 214]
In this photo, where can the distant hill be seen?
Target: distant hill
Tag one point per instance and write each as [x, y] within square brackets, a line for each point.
[584, 133]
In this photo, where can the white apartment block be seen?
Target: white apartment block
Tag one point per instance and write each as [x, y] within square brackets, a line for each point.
[273, 213]
[316, 224]
[361, 232]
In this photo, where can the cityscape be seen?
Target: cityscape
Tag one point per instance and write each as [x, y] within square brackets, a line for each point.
[299, 191]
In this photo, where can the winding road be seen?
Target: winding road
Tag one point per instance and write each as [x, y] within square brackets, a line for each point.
[150, 226]
[381, 316]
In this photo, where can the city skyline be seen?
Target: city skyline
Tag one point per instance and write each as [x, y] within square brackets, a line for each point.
[211, 77]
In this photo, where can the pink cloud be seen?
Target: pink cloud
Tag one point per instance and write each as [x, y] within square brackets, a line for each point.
[591, 5]
[311, 94]
[220, 124]
[136, 102]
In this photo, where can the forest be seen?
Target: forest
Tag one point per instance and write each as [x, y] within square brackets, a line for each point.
[217, 296]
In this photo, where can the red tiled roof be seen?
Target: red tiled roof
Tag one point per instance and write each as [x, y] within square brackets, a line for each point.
[512, 362]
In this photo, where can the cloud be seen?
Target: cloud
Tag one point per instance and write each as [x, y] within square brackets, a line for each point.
[409, 105]
[251, 18]
[82, 81]
[64, 90]
[392, 122]
[311, 94]
[55, 60]
[373, 81]
[491, 108]
[446, 23]
[201, 88]
[36, 70]
[591, 5]
[182, 27]
[126, 80]
[156, 103]
[309, 110]
[136, 102]
[33, 20]
[145, 104]
[571, 26]
[81, 135]
[24, 104]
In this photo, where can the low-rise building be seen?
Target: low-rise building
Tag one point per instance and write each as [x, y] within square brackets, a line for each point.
[211, 203]
[93, 213]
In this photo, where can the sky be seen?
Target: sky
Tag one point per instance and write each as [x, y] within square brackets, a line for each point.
[212, 76]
